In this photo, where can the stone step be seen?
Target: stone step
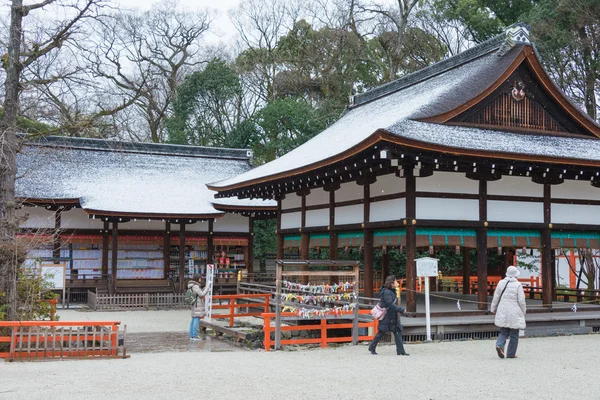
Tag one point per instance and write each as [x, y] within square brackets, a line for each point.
[557, 330]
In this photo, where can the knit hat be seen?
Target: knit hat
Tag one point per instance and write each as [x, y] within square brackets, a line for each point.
[512, 272]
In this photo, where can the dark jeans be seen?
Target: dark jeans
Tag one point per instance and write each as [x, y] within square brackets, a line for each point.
[512, 344]
[397, 337]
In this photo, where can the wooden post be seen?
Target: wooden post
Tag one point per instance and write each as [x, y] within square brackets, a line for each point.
[482, 273]
[210, 248]
[553, 266]
[411, 239]
[368, 265]
[115, 252]
[250, 261]
[304, 249]
[167, 250]
[466, 271]
[279, 235]
[385, 267]
[105, 244]
[333, 237]
[333, 254]
[56, 239]
[181, 257]
[547, 284]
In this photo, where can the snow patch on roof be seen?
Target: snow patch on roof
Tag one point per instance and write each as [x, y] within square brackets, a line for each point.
[430, 97]
[125, 182]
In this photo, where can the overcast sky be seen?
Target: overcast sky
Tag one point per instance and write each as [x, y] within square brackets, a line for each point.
[222, 25]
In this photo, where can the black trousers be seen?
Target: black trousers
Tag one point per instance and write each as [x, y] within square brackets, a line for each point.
[397, 336]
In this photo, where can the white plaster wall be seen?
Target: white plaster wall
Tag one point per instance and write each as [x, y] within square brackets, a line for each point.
[143, 224]
[388, 184]
[515, 186]
[291, 220]
[515, 211]
[349, 214]
[201, 226]
[78, 219]
[231, 223]
[291, 200]
[447, 182]
[39, 217]
[316, 197]
[349, 191]
[575, 190]
[447, 209]
[574, 214]
[388, 210]
[317, 217]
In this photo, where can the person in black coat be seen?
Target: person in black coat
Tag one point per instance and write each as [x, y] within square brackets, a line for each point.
[391, 320]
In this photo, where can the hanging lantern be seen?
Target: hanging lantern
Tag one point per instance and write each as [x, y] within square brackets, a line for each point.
[384, 250]
[499, 250]
[457, 250]
[524, 250]
[401, 248]
[431, 250]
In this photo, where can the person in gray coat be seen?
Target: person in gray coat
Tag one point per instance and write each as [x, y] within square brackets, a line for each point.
[510, 309]
[197, 308]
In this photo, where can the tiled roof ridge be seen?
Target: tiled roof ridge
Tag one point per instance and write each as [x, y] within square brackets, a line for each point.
[138, 147]
[428, 72]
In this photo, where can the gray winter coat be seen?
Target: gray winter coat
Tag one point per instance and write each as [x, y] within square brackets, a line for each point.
[510, 310]
[198, 308]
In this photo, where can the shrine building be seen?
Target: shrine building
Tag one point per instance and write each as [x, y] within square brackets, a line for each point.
[125, 214]
[479, 151]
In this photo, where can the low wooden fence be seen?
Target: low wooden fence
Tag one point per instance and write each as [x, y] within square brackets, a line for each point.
[321, 325]
[135, 301]
[173, 300]
[57, 339]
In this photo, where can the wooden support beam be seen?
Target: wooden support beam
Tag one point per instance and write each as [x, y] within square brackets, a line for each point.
[56, 244]
[547, 281]
[482, 272]
[304, 243]
[210, 248]
[466, 272]
[250, 260]
[279, 235]
[385, 266]
[115, 252]
[411, 240]
[333, 254]
[167, 250]
[105, 244]
[368, 264]
[181, 257]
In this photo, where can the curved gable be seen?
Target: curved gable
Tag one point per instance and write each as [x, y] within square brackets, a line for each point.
[523, 100]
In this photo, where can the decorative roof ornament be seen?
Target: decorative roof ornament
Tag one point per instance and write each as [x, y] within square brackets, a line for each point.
[515, 34]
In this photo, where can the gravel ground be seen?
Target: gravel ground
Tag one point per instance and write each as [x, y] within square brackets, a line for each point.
[549, 368]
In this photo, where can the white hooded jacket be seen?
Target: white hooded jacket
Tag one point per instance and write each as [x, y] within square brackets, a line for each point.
[510, 310]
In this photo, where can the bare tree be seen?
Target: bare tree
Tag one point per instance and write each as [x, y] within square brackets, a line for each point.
[148, 54]
[20, 56]
[260, 24]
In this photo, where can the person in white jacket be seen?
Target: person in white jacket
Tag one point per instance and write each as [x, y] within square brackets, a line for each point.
[510, 309]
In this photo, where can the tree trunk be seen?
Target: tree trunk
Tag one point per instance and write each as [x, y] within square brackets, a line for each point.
[8, 169]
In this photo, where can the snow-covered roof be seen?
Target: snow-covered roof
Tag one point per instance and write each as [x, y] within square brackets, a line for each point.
[401, 107]
[447, 89]
[121, 178]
